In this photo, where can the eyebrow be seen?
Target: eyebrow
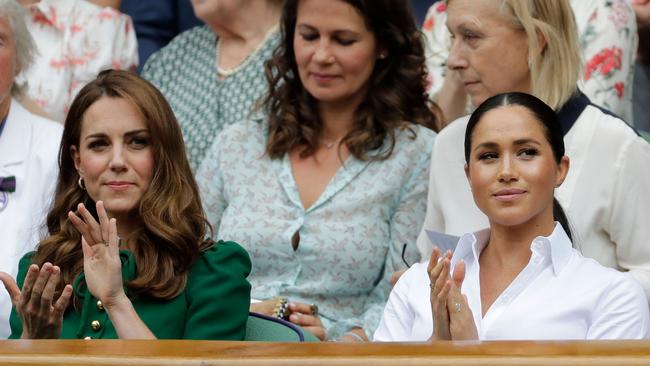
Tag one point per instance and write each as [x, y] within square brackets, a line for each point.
[345, 32]
[128, 134]
[519, 142]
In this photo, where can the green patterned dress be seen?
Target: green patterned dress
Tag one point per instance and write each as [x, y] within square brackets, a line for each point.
[185, 72]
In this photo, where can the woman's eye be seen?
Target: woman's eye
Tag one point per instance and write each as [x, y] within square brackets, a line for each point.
[345, 42]
[488, 156]
[97, 144]
[140, 142]
[309, 36]
[528, 152]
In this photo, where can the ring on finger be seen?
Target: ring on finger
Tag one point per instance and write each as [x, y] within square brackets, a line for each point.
[314, 309]
[457, 307]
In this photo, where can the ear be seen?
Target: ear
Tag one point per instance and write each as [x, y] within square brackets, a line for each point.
[382, 53]
[541, 40]
[467, 173]
[74, 153]
[562, 170]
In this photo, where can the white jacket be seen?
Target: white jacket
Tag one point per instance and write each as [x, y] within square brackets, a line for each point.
[606, 194]
[29, 147]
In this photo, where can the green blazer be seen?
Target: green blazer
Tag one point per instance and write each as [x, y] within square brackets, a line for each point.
[214, 304]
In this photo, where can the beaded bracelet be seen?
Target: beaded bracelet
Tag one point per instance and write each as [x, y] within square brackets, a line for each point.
[281, 309]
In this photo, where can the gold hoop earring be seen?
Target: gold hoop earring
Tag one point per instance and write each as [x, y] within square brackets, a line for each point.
[81, 183]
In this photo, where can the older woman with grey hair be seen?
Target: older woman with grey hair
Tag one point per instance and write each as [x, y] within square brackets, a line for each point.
[28, 152]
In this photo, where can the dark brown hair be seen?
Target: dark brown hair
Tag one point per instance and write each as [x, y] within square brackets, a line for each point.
[174, 224]
[396, 96]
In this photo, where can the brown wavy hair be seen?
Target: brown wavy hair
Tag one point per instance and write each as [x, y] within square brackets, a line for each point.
[174, 224]
[396, 96]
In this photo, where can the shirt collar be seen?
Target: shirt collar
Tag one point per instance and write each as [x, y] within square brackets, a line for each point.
[558, 244]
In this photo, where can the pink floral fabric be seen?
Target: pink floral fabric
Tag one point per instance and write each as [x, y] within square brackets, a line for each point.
[608, 37]
[76, 40]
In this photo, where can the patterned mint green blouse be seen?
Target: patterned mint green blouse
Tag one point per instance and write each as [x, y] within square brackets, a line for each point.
[351, 238]
[185, 72]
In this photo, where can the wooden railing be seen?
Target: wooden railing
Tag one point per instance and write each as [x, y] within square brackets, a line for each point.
[206, 353]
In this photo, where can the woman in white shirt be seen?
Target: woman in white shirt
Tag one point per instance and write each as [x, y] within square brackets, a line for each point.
[521, 278]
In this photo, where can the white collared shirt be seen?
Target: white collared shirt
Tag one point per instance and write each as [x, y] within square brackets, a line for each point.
[558, 295]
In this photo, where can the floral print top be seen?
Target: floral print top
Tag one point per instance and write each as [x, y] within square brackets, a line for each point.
[607, 31]
[350, 240]
[75, 40]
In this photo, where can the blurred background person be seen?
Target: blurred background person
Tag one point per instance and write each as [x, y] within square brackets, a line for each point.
[325, 188]
[533, 47]
[75, 40]
[127, 255]
[213, 75]
[28, 151]
[156, 22]
[642, 67]
[607, 42]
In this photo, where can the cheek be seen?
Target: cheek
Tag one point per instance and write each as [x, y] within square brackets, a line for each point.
[92, 165]
[145, 166]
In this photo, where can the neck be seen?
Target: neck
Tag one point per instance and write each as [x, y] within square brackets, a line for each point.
[509, 246]
[4, 107]
[249, 25]
[337, 122]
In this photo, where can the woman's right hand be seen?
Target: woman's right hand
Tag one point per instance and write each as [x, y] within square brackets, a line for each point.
[438, 276]
[40, 312]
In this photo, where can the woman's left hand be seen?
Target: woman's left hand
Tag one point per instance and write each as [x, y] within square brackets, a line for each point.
[99, 242]
[307, 317]
[461, 319]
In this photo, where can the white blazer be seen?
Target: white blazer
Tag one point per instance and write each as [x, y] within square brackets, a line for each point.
[29, 148]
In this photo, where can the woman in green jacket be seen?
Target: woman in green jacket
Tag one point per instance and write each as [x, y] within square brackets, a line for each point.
[126, 256]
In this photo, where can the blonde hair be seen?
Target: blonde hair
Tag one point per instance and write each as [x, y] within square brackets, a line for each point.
[554, 55]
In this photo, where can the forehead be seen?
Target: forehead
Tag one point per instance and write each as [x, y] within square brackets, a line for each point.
[111, 115]
[478, 12]
[6, 31]
[507, 124]
[330, 15]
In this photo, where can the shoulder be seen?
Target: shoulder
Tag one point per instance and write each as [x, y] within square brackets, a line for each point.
[610, 283]
[413, 140]
[248, 136]
[225, 258]
[46, 134]
[611, 132]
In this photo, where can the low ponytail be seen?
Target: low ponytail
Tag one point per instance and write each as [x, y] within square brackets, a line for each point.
[560, 216]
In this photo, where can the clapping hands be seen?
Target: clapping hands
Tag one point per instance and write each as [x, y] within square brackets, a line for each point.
[100, 245]
[452, 317]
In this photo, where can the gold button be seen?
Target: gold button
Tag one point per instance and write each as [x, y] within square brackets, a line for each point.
[87, 338]
[100, 306]
[95, 325]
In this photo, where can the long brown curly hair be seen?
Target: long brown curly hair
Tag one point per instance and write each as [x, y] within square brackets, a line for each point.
[396, 96]
[174, 224]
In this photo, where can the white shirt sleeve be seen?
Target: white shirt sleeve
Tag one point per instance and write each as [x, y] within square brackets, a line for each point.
[397, 321]
[622, 312]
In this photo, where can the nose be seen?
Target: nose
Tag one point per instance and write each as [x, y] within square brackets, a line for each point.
[323, 53]
[507, 170]
[118, 161]
[457, 59]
